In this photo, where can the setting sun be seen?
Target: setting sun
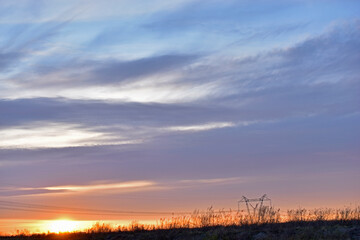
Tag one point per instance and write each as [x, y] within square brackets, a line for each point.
[63, 225]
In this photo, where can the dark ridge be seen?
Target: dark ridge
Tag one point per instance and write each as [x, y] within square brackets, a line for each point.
[297, 230]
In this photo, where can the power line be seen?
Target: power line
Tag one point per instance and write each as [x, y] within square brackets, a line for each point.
[49, 211]
[54, 209]
[17, 206]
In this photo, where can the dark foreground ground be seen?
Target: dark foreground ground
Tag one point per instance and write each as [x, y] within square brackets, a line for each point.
[292, 230]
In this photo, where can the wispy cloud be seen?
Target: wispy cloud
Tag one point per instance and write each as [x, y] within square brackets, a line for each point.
[97, 187]
[181, 78]
[104, 187]
[203, 127]
[62, 135]
[113, 187]
[56, 135]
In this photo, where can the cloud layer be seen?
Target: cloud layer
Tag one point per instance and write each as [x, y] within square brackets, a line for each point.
[180, 99]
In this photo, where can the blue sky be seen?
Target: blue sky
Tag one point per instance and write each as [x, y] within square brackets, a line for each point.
[173, 105]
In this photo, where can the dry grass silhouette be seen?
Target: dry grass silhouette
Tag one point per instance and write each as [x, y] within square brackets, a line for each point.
[212, 218]
[266, 223]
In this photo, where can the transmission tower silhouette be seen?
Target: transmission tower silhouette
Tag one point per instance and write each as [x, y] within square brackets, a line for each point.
[252, 204]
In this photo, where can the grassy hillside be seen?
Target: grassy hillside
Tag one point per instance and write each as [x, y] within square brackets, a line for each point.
[291, 230]
[267, 223]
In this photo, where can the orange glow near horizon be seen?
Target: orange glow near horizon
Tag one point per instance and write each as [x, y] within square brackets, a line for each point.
[61, 225]
[64, 225]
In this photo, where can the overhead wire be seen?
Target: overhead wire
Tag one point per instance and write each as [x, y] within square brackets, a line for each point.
[17, 206]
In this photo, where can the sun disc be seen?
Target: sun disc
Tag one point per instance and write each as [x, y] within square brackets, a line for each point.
[58, 226]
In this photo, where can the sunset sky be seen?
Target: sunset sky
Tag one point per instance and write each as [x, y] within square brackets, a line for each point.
[158, 106]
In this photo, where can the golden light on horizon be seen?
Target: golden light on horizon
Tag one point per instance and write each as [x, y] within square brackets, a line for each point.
[64, 225]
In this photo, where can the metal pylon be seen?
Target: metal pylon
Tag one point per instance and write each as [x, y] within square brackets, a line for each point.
[249, 203]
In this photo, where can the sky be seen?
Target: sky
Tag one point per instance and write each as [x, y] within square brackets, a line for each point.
[171, 106]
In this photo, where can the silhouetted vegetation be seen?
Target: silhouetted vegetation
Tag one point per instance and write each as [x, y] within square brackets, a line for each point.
[267, 223]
